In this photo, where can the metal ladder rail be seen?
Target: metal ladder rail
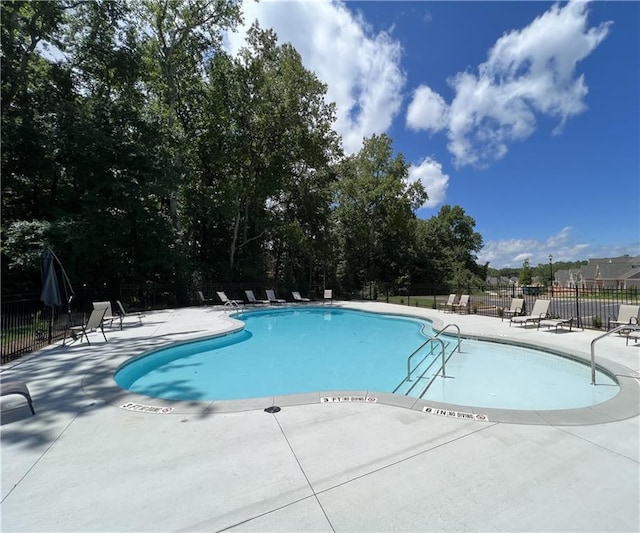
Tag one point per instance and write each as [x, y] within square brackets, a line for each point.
[593, 349]
[442, 351]
[447, 358]
[433, 378]
[417, 380]
[455, 326]
[430, 339]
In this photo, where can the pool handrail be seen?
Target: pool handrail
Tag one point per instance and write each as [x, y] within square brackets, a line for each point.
[593, 350]
[442, 351]
[455, 326]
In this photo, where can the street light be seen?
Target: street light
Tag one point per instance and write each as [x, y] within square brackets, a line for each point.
[551, 272]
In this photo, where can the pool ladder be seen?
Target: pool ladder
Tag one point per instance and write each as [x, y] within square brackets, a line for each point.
[434, 341]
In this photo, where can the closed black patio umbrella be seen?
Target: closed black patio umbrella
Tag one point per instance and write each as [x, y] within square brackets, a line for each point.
[50, 294]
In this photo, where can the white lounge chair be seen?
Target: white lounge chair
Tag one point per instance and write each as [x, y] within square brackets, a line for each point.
[93, 323]
[328, 295]
[123, 314]
[448, 305]
[251, 298]
[297, 298]
[203, 300]
[227, 302]
[538, 313]
[271, 295]
[627, 314]
[108, 316]
[556, 323]
[516, 307]
[462, 304]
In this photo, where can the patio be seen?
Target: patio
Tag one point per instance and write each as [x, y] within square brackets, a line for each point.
[86, 463]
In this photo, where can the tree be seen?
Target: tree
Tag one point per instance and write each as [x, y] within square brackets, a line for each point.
[446, 247]
[265, 149]
[525, 277]
[374, 214]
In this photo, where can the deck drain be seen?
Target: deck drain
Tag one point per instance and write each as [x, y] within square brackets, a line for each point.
[272, 409]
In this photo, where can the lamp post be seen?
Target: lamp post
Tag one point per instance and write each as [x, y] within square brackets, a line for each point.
[551, 272]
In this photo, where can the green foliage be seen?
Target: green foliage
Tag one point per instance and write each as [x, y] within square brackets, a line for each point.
[446, 247]
[374, 214]
[140, 151]
[525, 277]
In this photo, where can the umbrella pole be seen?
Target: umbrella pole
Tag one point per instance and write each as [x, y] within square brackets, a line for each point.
[50, 324]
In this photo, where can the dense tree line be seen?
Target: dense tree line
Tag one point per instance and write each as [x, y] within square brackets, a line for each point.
[139, 150]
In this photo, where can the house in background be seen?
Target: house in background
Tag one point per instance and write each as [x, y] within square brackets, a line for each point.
[568, 279]
[611, 273]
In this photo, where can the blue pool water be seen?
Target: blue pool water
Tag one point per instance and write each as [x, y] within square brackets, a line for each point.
[288, 351]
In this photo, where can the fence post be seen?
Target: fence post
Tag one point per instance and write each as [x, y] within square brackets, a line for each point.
[578, 308]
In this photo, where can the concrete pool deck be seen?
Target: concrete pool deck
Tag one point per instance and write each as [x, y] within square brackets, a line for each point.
[86, 463]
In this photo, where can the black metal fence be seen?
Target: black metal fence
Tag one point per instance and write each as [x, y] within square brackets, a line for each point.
[590, 308]
[27, 325]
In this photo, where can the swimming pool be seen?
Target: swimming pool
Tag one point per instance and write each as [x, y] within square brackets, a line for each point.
[289, 351]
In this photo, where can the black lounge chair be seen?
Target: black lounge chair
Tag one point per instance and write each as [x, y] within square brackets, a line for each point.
[17, 387]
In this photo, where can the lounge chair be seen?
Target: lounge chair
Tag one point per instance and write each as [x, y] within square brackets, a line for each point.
[462, 304]
[328, 295]
[538, 313]
[17, 387]
[251, 298]
[203, 300]
[627, 314]
[556, 322]
[633, 333]
[448, 305]
[123, 314]
[227, 302]
[108, 316]
[271, 296]
[94, 322]
[297, 298]
[516, 307]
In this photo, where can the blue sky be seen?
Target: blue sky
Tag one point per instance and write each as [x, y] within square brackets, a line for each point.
[526, 114]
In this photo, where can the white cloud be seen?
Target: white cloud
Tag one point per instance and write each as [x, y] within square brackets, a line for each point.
[427, 110]
[361, 68]
[435, 182]
[528, 72]
[512, 252]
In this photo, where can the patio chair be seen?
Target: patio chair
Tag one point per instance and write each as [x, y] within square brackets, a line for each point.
[94, 323]
[538, 313]
[328, 295]
[251, 298]
[203, 300]
[227, 302]
[108, 316]
[271, 296]
[17, 387]
[516, 307]
[556, 323]
[123, 314]
[627, 314]
[297, 298]
[462, 304]
[448, 305]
